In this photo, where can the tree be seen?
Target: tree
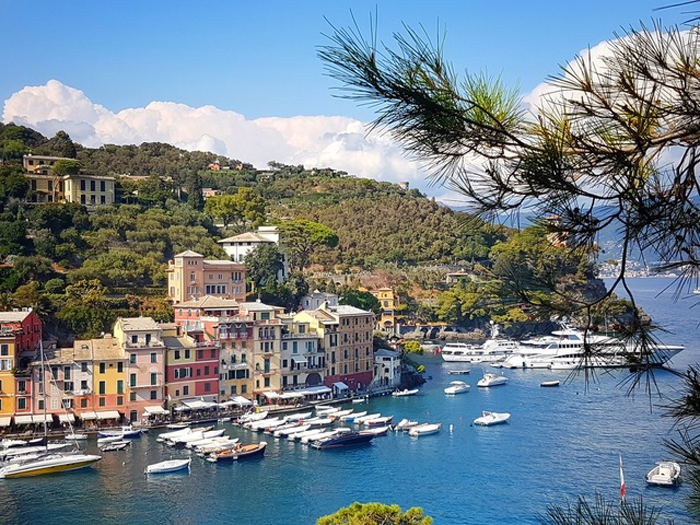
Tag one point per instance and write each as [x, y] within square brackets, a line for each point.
[302, 237]
[359, 299]
[375, 513]
[602, 512]
[263, 264]
[242, 208]
[593, 154]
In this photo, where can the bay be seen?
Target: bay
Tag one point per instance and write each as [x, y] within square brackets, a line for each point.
[560, 443]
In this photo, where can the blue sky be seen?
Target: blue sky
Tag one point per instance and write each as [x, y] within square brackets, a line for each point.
[257, 62]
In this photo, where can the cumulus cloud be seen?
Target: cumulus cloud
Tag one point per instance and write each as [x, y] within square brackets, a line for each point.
[338, 142]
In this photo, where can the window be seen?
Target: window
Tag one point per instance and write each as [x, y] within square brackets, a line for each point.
[82, 185]
[83, 385]
[200, 354]
[132, 358]
[132, 396]
[132, 379]
[185, 390]
[154, 394]
[213, 353]
[22, 387]
[68, 386]
[83, 368]
[177, 354]
[187, 354]
[102, 402]
[22, 403]
[120, 386]
[4, 349]
[206, 370]
[92, 185]
[154, 357]
[134, 339]
[207, 387]
[83, 403]
[154, 379]
[102, 185]
[102, 368]
[102, 387]
[120, 367]
[120, 400]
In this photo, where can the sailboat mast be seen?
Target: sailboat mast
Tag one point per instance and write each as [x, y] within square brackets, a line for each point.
[43, 383]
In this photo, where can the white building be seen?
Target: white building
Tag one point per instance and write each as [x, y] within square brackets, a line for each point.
[239, 246]
[387, 369]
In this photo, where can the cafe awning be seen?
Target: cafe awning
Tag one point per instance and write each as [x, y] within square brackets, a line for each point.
[299, 359]
[155, 410]
[66, 418]
[24, 420]
[341, 386]
[271, 395]
[312, 390]
[241, 401]
[5, 421]
[88, 415]
[41, 418]
[108, 414]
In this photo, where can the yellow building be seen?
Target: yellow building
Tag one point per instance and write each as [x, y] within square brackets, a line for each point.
[388, 301]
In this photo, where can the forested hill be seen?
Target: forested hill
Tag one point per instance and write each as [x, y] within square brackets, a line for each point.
[376, 222]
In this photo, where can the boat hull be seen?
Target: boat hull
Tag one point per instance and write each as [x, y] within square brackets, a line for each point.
[41, 468]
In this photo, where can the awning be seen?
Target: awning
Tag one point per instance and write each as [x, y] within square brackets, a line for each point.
[108, 414]
[238, 366]
[5, 421]
[24, 420]
[155, 410]
[312, 390]
[181, 408]
[87, 415]
[341, 386]
[66, 418]
[299, 359]
[271, 395]
[196, 404]
[291, 395]
[241, 401]
[48, 418]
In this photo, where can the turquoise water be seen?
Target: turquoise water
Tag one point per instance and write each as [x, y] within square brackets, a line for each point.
[560, 442]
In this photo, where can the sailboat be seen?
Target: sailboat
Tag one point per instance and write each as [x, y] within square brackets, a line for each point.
[47, 462]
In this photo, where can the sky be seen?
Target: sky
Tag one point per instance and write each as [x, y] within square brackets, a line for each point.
[242, 79]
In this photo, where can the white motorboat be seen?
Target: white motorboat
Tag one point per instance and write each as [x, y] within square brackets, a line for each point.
[324, 434]
[335, 416]
[492, 350]
[169, 465]
[296, 417]
[492, 380]
[165, 436]
[361, 419]
[425, 429]
[488, 418]
[549, 384]
[456, 387]
[124, 432]
[665, 474]
[114, 446]
[405, 392]
[405, 425]
[75, 437]
[108, 439]
[262, 424]
[378, 421]
[352, 415]
[289, 432]
[217, 446]
[376, 431]
[565, 349]
[178, 426]
[206, 437]
[252, 416]
[48, 464]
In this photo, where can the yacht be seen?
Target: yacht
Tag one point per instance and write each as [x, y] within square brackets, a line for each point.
[48, 464]
[456, 387]
[492, 350]
[564, 350]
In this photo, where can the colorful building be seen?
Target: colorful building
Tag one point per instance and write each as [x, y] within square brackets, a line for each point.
[191, 276]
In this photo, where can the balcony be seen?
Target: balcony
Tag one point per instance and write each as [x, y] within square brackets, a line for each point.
[269, 372]
[144, 344]
[159, 384]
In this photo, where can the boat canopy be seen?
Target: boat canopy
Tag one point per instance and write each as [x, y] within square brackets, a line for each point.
[155, 410]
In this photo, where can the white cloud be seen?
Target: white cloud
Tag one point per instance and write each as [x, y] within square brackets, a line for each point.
[338, 142]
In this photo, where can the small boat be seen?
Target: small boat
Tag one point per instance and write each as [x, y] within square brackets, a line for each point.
[378, 421]
[458, 372]
[108, 439]
[239, 452]
[75, 437]
[169, 465]
[405, 392]
[362, 419]
[456, 387]
[363, 399]
[549, 383]
[405, 425]
[125, 432]
[344, 440]
[492, 418]
[425, 429]
[352, 415]
[490, 379]
[377, 431]
[178, 425]
[323, 434]
[337, 415]
[252, 416]
[114, 446]
[289, 432]
[665, 474]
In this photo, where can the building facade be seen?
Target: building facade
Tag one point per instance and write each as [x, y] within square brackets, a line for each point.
[191, 276]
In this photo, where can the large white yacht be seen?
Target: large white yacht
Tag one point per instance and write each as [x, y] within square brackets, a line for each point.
[492, 350]
[564, 350]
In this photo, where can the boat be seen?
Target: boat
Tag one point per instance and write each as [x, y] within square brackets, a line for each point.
[289, 432]
[41, 463]
[425, 429]
[239, 452]
[363, 399]
[323, 434]
[405, 425]
[169, 465]
[549, 383]
[494, 349]
[178, 425]
[349, 418]
[378, 421]
[377, 431]
[252, 416]
[405, 392]
[665, 474]
[565, 349]
[75, 437]
[459, 372]
[456, 387]
[114, 446]
[124, 432]
[361, 419]
[492, 418]
[109, 439]
[490, 379]
[347, 439]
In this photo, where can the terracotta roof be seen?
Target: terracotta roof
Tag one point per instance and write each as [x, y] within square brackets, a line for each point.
[209, 301]
[189, 253]
[138, 323]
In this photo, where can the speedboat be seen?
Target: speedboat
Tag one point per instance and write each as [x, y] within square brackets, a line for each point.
[405, 392]
[114, 446]
[169, 465]
[344, 440]
[492, 380]
[456, 387]
[124, 432]
[48, 464]
[425, 429]
[549, 383]
[492, 418]
[405, 425]
[665, 474]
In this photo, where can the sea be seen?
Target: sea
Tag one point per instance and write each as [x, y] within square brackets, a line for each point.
[560, 443]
